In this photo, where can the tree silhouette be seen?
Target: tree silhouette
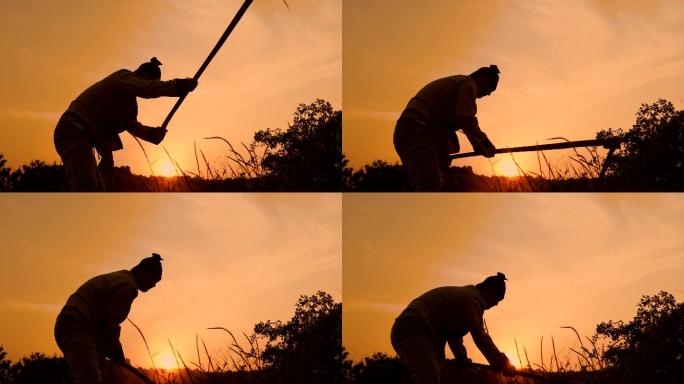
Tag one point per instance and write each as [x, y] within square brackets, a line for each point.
[308, 348]
[650, 348]
[308, 155]
[651, 157]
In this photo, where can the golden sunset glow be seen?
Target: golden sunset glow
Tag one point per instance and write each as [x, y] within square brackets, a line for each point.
[568, 68]
[571, 260]
[506, 166]
[165, 168]
[166, 360]
[230, 260]
[275, 59]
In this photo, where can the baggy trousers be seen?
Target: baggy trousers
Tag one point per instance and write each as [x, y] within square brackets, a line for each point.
[415, 144]
[75, 149]
[77, 342]
[412, 341]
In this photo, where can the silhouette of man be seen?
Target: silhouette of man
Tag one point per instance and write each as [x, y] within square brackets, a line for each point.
[444, 315]
[87, 329]
[425, 133]
[101, 112]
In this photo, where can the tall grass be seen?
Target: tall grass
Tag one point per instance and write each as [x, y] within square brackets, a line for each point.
[242, 163]
[239, 360]
[583, 362]
[584, 166]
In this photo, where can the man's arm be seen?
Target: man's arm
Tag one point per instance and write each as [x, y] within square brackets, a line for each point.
[153, 135]
[465, 120]
[117, 311]
[140, 86]
[458, 349]
[484, 342]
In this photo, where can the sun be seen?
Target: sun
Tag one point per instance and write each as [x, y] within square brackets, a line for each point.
[165, 168]
[507, 167]
[165, 360]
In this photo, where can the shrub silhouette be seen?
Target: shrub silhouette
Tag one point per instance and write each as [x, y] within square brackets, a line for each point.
[36, 176]
[308, 348]
[379, 176]
[650, 348]
[651, 157]
[37, 368]
[308, 155]
[5, 364]
[379, 368]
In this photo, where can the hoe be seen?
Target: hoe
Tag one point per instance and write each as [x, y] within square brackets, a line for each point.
[213, 53]
[610, 144]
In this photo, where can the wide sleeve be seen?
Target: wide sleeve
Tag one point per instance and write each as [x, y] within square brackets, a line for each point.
[466, 94]
[117, 310]
[465, 108]
[133, 84]
[139, 130]
[120, 304]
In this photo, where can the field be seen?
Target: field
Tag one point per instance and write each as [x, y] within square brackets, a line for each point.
[646, 350]
[305, 349]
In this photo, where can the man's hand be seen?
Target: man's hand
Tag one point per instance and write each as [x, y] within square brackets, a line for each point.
[509, 370]
[186, 86]
[156, 135]
[106, 161]
[504, 366]
[483, 145]
[117, 355]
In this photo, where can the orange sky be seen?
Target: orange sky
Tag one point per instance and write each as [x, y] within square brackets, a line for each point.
[274, 60]
[569, 68]
[571, 259]
[230, 260]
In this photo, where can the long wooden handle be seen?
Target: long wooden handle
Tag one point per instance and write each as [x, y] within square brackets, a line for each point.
[544, 147]
[213, 53]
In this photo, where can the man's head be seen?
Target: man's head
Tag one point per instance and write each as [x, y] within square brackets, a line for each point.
[493, 289]
[486, 78]
[150, 70]
[148, 272]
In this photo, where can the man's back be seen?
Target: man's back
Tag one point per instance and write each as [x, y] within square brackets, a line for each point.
[103, 296]
[441, 101]
[451, 311]
[109, 106]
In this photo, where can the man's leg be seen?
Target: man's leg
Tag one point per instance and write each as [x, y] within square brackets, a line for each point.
[79, 349]
[77, 156]
[418, 152]
[416, 351]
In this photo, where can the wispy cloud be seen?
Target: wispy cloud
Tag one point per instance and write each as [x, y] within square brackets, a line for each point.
[25, 114]
[29, 306]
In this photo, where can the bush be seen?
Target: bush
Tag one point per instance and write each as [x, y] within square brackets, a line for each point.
[37, 368]
[36, 176]
[650, 348]
[308, 348]
[651, 157]
[308, 155]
